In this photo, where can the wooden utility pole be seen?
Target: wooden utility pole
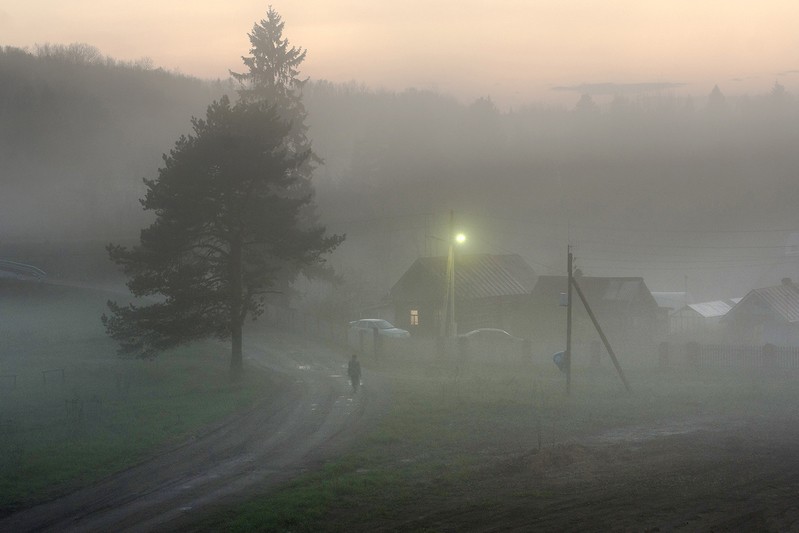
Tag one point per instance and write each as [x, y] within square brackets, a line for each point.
[447, 328]
[451, 269]
[598, 329]
[568, 354]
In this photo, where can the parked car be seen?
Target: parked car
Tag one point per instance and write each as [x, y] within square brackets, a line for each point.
[365, 328]
[485, 343]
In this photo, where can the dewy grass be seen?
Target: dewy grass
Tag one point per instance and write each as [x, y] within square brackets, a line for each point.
[72, 411]
[439, 435]
[85, 429]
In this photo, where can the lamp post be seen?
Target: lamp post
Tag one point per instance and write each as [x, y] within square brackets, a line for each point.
[450, 328]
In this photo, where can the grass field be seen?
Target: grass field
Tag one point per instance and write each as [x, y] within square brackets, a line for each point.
[72, 411]
[441, 434]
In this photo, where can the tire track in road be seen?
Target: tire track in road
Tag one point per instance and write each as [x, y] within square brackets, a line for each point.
[262, 448]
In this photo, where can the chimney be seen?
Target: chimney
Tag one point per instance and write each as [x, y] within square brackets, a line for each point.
[787, 282]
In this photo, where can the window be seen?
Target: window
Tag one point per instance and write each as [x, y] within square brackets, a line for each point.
[414, 317]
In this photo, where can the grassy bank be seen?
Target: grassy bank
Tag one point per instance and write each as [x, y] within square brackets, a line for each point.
[443, 437]
[72, 411]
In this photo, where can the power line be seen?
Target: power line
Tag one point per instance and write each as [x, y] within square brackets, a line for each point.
[571, 225]
[686, 246]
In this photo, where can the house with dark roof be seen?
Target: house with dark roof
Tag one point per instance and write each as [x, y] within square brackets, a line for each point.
[491, 291]
[769, 315]
[624, 308]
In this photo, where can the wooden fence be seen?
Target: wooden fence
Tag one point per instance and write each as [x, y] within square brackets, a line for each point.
[665, 354]
[728, 356]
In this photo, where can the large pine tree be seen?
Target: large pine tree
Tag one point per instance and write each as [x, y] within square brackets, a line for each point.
[228, 220]
[273, 75]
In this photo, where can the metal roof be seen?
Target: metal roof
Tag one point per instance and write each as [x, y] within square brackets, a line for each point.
[625, 290]
[782, 299]
[482, 276]
[714, 309]
[476, 276]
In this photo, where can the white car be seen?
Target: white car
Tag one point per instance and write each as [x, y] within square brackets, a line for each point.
[487, 342]
[368, 326]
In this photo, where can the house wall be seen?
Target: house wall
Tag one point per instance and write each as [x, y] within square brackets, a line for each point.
[428, 318]
[780, 333]
[688, 322]
[504, 312]
[622, 325]
[508, 313]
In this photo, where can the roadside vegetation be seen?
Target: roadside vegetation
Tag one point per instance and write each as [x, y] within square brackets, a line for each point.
[72, 411]
[464, 443]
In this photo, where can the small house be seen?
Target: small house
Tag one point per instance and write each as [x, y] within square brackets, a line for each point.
[491, 291]
[769, 315]
[623, 306]
[701, 317]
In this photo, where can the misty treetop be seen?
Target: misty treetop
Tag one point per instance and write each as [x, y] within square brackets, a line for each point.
[228, 225]
[273, 71]
[273, 75]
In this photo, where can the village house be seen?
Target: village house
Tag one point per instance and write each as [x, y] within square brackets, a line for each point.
[701, 320]
[671, 301]
[769, 315]
[491, 291]
[624, 308]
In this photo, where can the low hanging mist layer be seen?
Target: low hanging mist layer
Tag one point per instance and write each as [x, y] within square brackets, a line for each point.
[81, 131]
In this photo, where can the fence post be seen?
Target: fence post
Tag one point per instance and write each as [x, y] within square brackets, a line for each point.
[769, 355]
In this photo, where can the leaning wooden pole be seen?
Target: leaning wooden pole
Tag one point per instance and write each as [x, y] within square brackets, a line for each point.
[601, 333]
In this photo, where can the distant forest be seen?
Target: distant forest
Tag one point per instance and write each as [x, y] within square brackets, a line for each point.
[79, 131]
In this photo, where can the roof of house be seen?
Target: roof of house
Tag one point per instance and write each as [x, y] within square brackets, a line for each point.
[714, 309]
[782, 299]
[476, 276]
[624, 290]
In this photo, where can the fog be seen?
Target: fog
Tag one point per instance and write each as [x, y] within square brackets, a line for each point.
[697, 191]
[79, 131]
[692, 194]
[651, 185]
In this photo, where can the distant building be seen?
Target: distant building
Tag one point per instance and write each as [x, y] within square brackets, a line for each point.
[671, 301]
[491, 291]
[624, 308]
[701, 317]
[766, 315]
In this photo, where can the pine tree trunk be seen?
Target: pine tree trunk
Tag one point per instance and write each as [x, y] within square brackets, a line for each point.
[236, 359]
[236, 303]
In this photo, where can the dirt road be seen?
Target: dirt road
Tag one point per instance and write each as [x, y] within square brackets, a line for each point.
[268, 445]
[739, 472]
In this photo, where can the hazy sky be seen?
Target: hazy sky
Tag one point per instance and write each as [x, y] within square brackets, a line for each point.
[516, 51]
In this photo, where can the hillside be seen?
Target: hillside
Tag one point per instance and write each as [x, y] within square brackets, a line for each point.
[653, 185]
[78, 132]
